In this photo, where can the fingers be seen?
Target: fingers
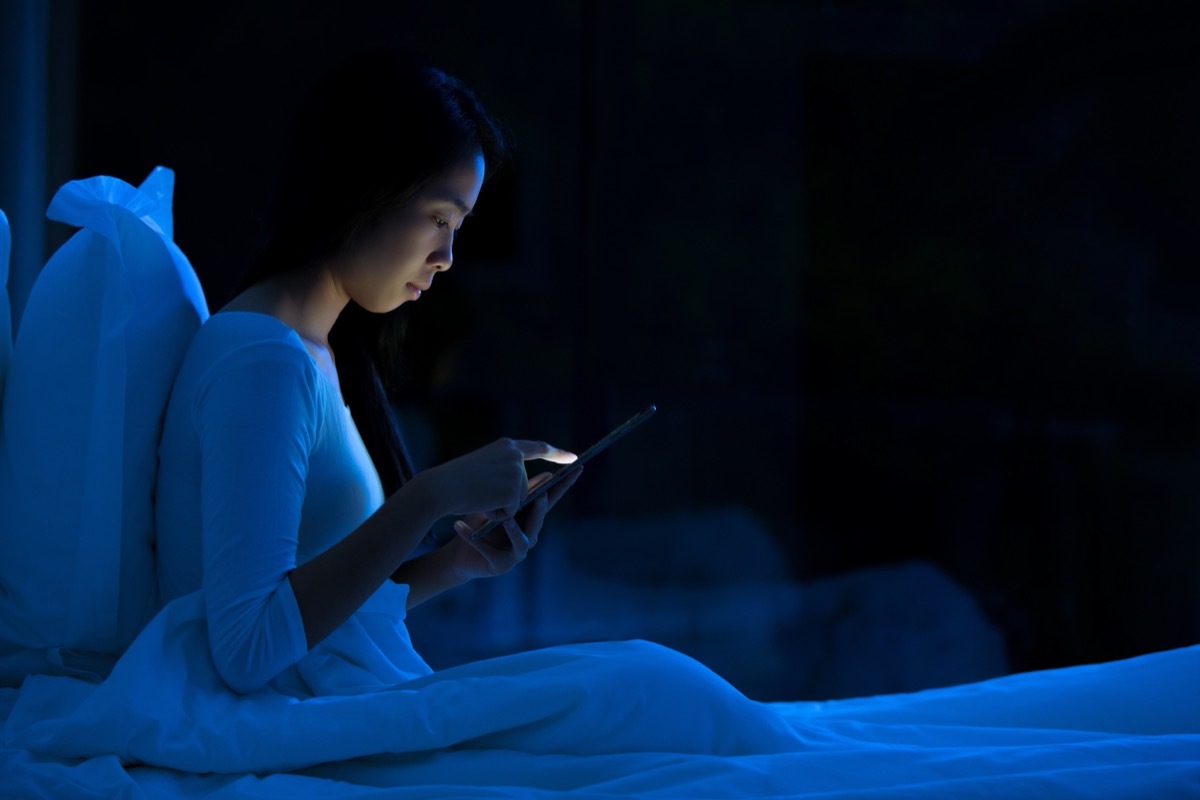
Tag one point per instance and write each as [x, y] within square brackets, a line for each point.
[547, 452]
[489, 545]
[533, 515]
[471, 523]
[501, 514]
[532, 518]
[510, 546]
[562, 486]
[538, 480]
[517, 539]
[498, 480]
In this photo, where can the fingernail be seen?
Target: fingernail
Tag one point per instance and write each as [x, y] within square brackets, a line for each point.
[461, 526]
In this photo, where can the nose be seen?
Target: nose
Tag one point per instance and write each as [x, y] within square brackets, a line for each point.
[442, 258]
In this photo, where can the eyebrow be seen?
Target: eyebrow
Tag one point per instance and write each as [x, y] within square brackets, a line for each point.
[455, 201]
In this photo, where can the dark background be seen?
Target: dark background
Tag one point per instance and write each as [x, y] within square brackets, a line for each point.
[907, 279]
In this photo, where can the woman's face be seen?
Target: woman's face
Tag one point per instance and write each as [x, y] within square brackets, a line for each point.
[412, 243]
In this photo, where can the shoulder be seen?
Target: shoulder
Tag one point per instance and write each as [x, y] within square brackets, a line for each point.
[231, 339]
[253, 355]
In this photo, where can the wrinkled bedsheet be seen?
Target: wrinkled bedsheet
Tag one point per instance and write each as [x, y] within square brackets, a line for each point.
[600, 720]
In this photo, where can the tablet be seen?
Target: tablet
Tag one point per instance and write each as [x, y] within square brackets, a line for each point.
[616, 433]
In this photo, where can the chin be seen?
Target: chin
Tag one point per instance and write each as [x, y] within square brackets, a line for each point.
[380, 306]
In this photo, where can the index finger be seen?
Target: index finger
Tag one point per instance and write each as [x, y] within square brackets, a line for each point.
[547, 452]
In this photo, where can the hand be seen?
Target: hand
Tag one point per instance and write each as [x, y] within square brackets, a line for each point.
[496, 554]
[492, 479]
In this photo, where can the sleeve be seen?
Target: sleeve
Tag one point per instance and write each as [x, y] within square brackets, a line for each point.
[256, 415]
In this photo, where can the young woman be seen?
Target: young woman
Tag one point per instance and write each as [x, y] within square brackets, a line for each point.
[268, 499]
[287, 510]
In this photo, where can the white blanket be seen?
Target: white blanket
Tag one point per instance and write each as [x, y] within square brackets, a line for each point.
[601, 720]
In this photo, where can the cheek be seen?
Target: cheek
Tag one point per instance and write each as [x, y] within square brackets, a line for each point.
[384, 258]
[402, 245]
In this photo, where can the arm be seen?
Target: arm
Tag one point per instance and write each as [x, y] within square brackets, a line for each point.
[331, 587]
[258, 419]
[256, 414]
[429, 575]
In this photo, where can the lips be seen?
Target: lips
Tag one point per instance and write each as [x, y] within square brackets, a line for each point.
[417, 290]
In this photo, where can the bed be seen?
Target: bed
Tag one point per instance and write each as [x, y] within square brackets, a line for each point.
[598, 719]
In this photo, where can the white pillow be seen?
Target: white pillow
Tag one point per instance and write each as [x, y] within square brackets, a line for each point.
[101, 339]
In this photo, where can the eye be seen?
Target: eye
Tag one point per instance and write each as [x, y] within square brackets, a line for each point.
[441, 223]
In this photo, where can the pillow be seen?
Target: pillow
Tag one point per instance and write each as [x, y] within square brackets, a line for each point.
[5, 311]
[101, 339]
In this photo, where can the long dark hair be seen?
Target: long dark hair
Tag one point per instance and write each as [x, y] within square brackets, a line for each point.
[366, 139]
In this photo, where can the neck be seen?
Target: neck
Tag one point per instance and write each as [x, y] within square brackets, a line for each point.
[308, 302]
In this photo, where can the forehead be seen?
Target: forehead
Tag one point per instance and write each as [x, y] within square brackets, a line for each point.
[458, 185]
